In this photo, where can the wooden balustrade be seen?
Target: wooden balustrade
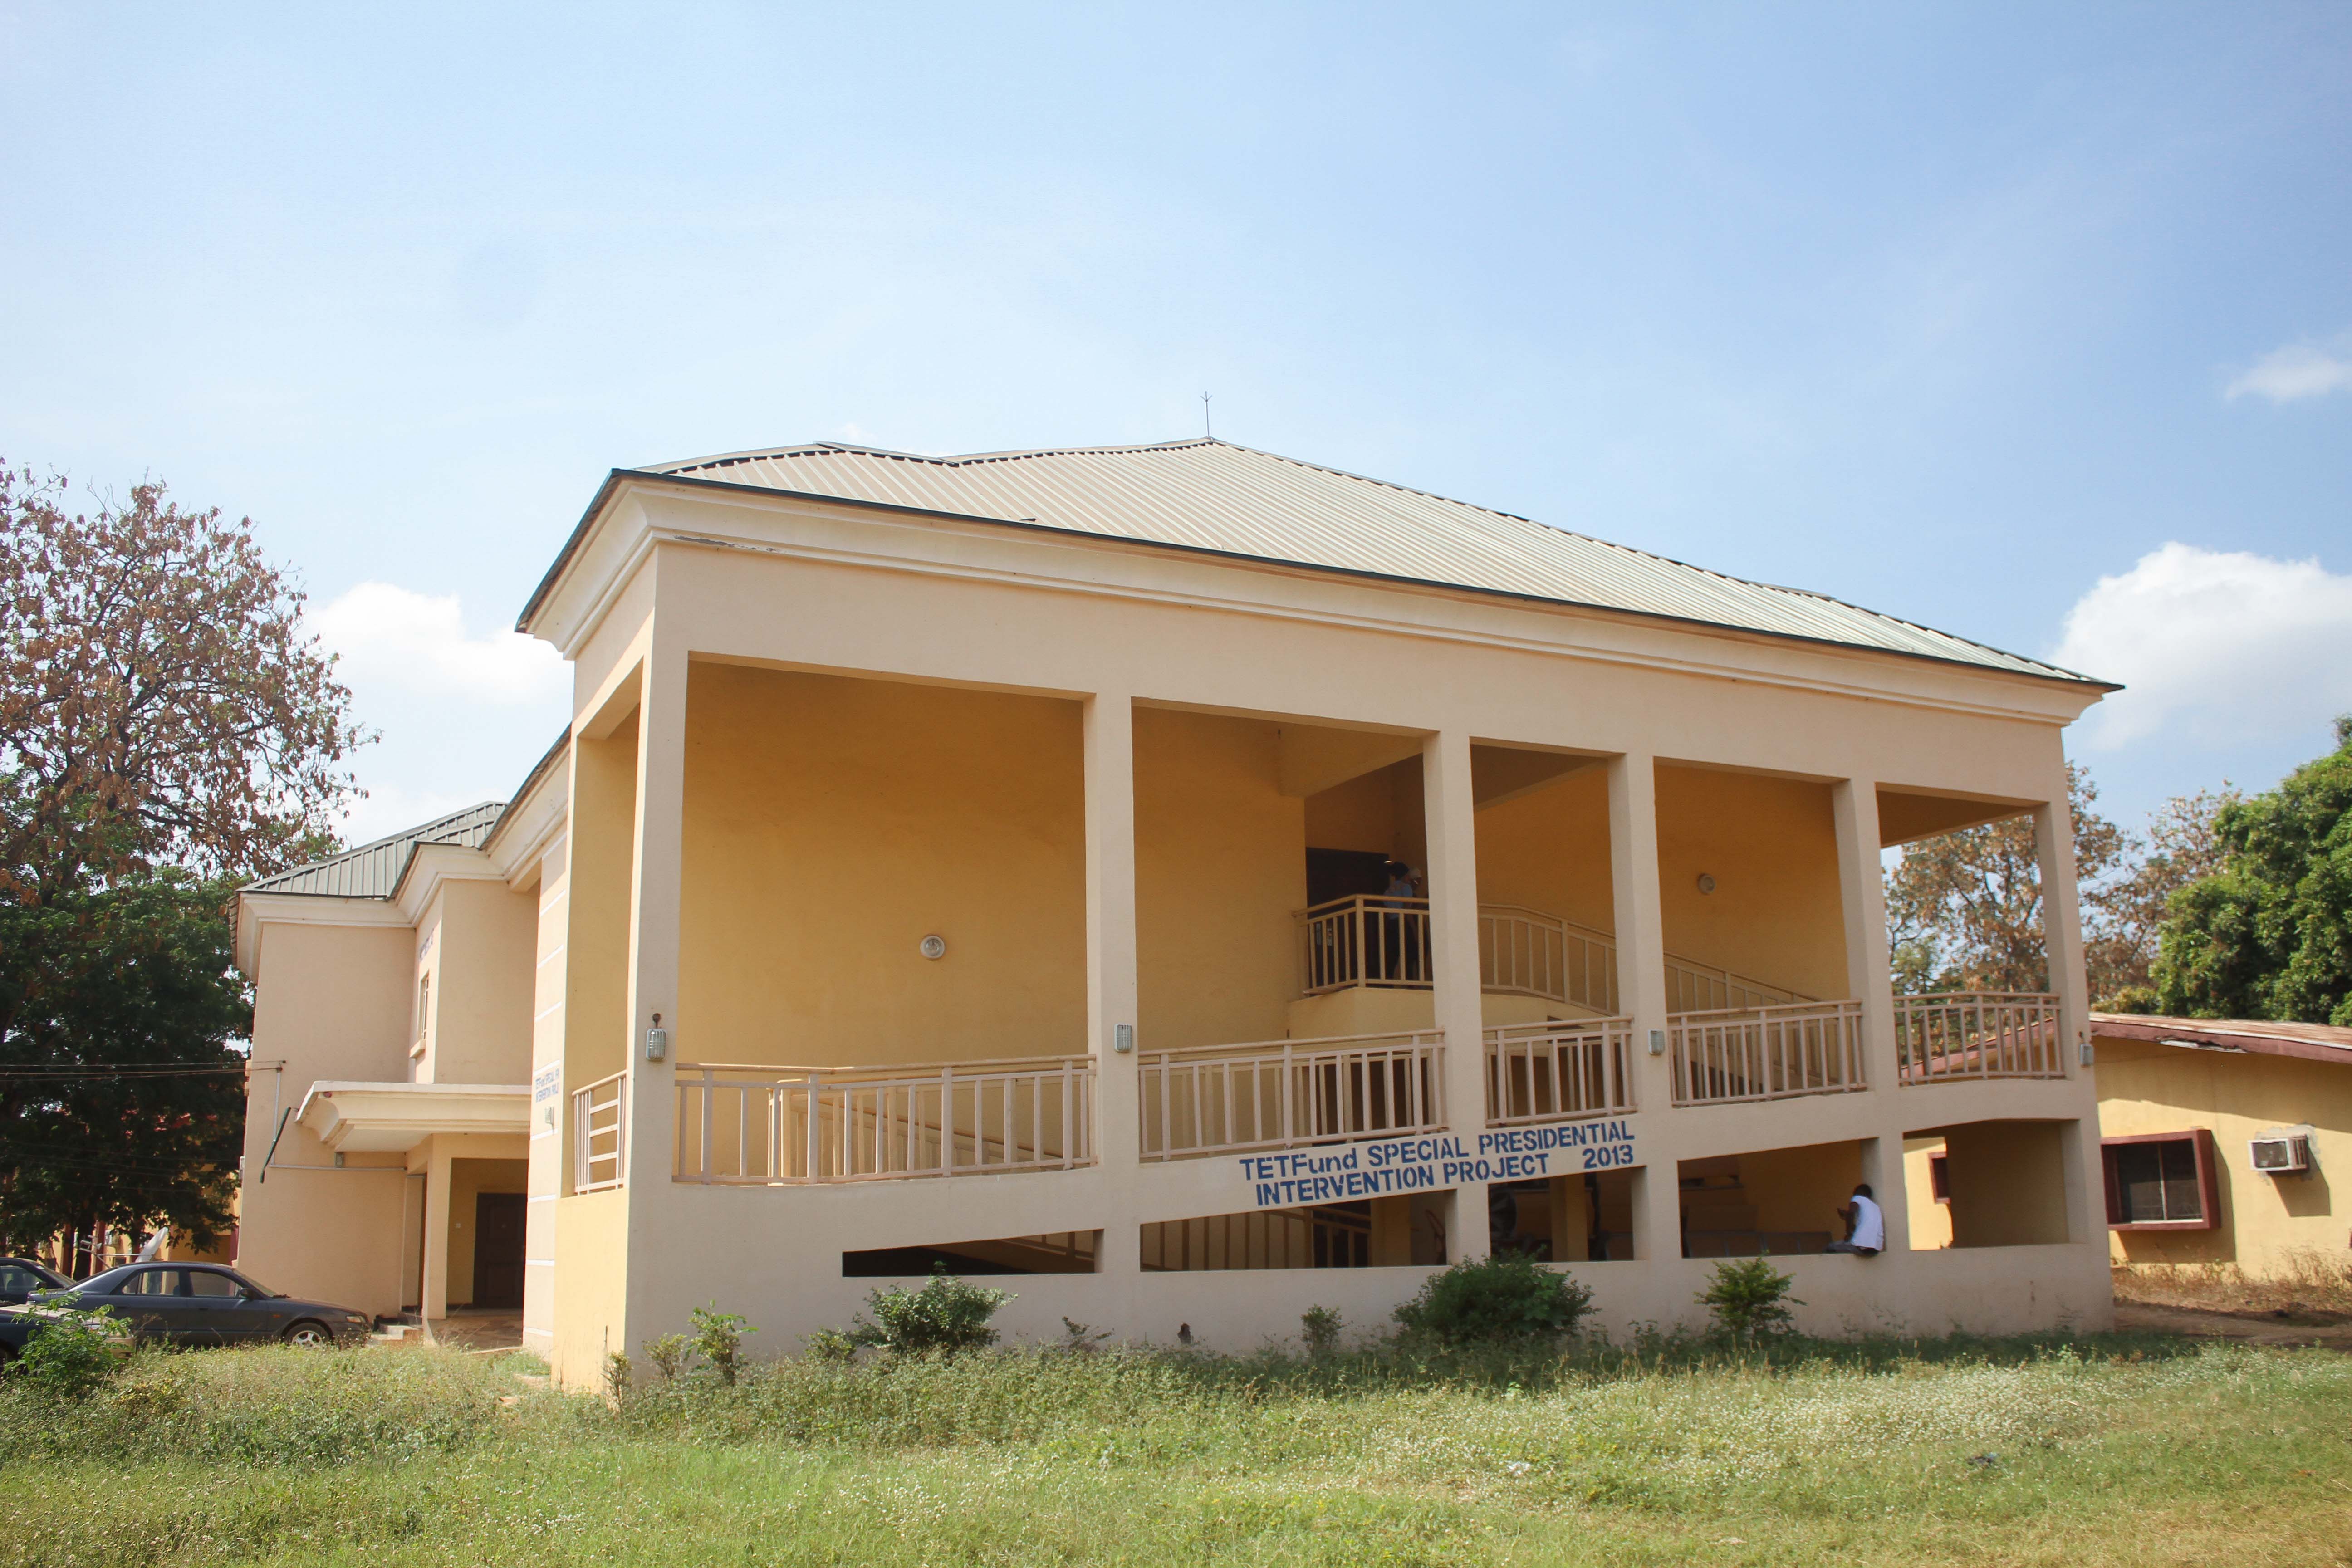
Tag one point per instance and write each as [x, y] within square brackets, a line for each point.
[1726, 1056]
[1559, 1071]
[600, 1121]
[773, 1126]
[1964, 1036]
[1280, 1094]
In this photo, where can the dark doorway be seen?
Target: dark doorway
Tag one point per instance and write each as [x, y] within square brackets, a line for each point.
[497, 1249]
[1344, 874]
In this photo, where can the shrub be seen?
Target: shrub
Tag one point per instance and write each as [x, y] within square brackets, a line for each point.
[829, 1344]
[73, 1353]
[719, 1340]
[1507, 1297]
[1320, 1326]
[1749, 1299]
[618, 1375]
[672, 1355]
[946, 1315]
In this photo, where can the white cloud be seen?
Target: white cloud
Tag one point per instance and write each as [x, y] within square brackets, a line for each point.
[2213, 646]
[389, 808]
[2298, 370]
[393, 640]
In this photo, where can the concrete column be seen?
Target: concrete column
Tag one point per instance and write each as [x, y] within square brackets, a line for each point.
[1449, 816]
[1862, 887]
[1642, 988]
[656, 853]
[2062, 935]
[435, 1304]
[1109, 726]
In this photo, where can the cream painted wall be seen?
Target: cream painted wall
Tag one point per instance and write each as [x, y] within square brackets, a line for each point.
[2008, 1184]
[482, 987]
[831, 824]
[1801, 1189]
[332, 1004]
[2150, 1088]
[550, 1116]
[1549, 850]
[1220, 866]
[1770, 843]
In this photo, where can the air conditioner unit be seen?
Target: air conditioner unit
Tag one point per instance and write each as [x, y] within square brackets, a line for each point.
[2286, 1155]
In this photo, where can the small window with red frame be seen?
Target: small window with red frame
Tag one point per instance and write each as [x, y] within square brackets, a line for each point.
[2161, 1181]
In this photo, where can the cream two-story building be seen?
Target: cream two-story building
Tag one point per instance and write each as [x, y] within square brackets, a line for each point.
[1202, 883]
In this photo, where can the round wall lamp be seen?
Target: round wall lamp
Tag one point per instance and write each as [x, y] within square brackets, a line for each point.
[932, 946]
[1706, 882]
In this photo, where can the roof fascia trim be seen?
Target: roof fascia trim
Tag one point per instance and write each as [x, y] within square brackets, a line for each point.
[2117, 1028]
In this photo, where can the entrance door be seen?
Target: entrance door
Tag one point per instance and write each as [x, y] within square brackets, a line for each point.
[497, 1249]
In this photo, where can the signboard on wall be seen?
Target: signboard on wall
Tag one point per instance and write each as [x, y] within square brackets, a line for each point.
[1389, 1166]
[545, 1086]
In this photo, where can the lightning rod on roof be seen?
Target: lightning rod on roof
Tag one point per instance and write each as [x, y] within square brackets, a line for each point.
[1204, 416]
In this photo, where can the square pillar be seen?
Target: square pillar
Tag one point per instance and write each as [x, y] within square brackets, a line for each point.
[1110, 749]
[1640, 917]
[434, 1299]
[1451, 822]
[2062, 935]
[1862, 896]
[655, 879]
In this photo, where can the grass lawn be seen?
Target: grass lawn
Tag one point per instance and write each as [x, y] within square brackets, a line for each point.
[2091, 1450]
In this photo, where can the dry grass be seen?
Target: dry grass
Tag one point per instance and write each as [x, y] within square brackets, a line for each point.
[2312, 1282]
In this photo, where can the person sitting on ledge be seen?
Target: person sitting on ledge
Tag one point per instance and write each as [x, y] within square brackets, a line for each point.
[1865, 1226]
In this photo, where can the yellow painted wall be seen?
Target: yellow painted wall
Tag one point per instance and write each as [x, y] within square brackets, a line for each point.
[1931, 1221]
[468, 1179]
[1770, 843]
[482, 991]
[1363, 813]
[591, 1237]
[1549, 850]
[2008, 1184]
[1802, 1188]
[332, 1004]
[830, 825]
[1220, 866]
[2150, 1088]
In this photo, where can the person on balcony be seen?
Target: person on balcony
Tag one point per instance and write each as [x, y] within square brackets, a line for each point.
[1865, 1226]
[1404, 938]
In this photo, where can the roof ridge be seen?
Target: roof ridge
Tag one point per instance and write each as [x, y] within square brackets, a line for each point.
[430, 832]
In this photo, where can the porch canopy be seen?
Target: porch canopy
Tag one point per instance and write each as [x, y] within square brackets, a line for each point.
[393, 1118]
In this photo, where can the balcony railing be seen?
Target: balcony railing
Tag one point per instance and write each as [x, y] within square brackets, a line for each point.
[600, 1125]
[1385, 943]
[769, 1126]
[1731, 1055]
[1965, 1037]
[1280, 1094]
[1559, 1072]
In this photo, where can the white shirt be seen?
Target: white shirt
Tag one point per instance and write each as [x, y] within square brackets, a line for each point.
[1869, 1224]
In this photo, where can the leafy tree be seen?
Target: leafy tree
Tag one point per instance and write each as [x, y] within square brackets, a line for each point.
[1964, 909]
[2126, 915]
[2270, 936]
[121, 1100]
[158, 701]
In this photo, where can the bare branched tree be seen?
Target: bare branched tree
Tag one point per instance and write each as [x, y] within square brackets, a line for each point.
[159, 701]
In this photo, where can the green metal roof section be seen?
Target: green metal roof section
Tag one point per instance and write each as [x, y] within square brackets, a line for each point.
[374, 871]
[1213, 497]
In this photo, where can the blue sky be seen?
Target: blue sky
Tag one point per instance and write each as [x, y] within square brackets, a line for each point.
[2032, 323]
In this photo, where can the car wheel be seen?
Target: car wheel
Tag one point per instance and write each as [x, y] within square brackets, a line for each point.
[310, 1335]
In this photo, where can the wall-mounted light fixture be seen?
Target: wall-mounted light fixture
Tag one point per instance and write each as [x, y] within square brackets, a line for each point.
[933, 946]
[657, 1041]
[1657, 1042]
[1122, 1037]
[1706, 882]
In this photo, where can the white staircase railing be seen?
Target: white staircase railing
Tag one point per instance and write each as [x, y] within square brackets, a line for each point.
[770, 1125]
[600, 1126]
[1559, 1072]
[1385, 943]
[1280, 1094]
[1726, 1056]
[1963, 1036]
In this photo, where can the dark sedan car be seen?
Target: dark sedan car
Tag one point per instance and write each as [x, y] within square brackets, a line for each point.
[192, 1304]
[20, 1277]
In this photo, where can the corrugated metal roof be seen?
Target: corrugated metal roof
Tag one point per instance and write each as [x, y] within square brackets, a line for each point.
[374, 871]
[1210, 495]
